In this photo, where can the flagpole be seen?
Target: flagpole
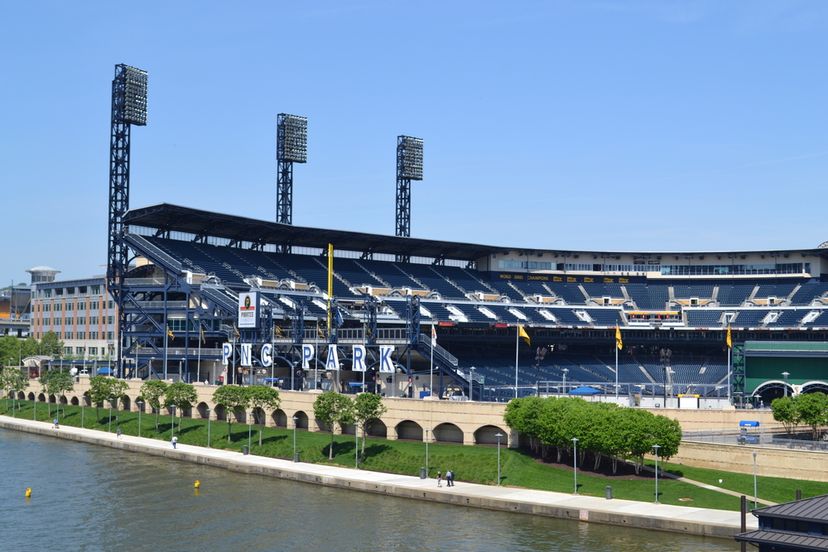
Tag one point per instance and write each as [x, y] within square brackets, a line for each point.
[431, 363]
[728, 374]
[200, 337]
[616, 372]
[517, 345]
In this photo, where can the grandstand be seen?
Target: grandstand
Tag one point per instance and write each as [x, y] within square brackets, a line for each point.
[191, 265]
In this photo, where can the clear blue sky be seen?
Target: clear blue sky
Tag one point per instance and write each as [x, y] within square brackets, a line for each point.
[641, 125]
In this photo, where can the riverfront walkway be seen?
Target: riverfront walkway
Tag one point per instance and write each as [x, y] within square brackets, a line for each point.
[681, 519]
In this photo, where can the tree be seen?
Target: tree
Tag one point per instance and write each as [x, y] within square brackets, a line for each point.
[812, 409]
[51, 345]
[57, 382]
[151, 392]
[180, 395]
[367, 408]
[105, 388]
[231, 397]
[331, 408]
[13, 381]
[785, 412]
[264, 397]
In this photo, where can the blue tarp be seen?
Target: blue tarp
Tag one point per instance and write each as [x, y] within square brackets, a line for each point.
[104, 371]
[584, 390]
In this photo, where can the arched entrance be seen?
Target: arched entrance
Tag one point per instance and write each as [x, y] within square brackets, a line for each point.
[203, 410]
[301, 420]
[448, 433]
[408, 429]
[486, 435]
[770, 390]
[815, 387]
[279, 418]
[376, 428]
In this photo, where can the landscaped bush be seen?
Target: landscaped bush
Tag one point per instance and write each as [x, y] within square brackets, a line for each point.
[604, 431]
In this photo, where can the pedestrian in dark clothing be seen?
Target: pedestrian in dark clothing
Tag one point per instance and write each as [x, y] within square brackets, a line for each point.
[449, 478]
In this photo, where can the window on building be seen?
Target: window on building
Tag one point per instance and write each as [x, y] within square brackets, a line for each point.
[79, 351]
[93, 351]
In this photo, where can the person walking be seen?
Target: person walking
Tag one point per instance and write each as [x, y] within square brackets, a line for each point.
[439, 478]
[449, 478]
[55, 422]
[174, 441]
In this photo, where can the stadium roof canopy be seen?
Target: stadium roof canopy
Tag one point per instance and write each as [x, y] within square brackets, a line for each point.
[165, 217]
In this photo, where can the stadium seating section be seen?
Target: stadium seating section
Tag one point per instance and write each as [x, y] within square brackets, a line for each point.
[451, 293]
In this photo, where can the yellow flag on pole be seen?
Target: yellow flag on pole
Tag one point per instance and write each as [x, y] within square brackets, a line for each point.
[619, 343]
[729, 338]
[523, 335]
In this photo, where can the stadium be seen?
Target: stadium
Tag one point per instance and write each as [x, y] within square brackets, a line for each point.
[215, 297]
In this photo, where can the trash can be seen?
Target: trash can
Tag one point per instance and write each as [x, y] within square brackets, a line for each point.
[608, 492]
[423, 474]
[245, 450]
[296, 456]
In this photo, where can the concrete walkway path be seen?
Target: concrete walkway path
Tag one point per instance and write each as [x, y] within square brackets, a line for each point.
[681, 519]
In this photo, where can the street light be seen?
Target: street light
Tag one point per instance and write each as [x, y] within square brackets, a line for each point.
[208, 428]
[563, 385]
[755, 488]
[109, 422]
[295, 421]
[785, 377]
[498, 435]
[471, 383]
[140, 404]
[575, 462]
[655, 449]
[426, 444]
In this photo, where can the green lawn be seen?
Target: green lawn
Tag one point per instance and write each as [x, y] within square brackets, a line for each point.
[476, 464]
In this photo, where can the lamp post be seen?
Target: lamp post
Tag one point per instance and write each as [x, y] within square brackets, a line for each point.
[785, 377]
[499, 436]
[471, 383]
[755, 488]
[356, 446]
[109, 422]
[426, 444]
[140, 404]
[295, 420]
[208, 428]
[172, 413]
[655, 449]
[565, 371]
[575, 462]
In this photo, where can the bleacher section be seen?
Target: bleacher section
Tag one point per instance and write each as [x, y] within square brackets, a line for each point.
[704, 318]
[808, 292]
[457, 286]
[733, 295]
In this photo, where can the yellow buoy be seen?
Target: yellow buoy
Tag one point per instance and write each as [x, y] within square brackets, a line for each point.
[197, 484]
[28, 492]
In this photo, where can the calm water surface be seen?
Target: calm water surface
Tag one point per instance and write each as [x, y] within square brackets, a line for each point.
[94, 498]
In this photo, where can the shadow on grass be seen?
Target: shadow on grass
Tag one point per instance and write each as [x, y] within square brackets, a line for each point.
[274, 439]
[374, 450]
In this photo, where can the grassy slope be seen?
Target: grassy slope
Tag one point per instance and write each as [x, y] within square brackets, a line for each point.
[476, 464]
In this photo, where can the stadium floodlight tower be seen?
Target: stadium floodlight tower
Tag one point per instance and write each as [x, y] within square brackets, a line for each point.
[291, 147]
[409, 167]
[129, 107]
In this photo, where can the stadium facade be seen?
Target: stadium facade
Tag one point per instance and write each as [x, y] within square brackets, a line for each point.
[190, 269]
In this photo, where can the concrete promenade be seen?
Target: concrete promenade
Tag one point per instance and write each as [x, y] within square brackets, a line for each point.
[679, 519]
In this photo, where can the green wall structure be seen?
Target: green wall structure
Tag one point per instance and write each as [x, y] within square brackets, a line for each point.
[766, 360]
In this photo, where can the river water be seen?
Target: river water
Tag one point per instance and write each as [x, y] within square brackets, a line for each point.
[93, 498]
